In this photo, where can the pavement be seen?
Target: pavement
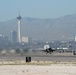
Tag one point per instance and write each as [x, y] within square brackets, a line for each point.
[41, 56]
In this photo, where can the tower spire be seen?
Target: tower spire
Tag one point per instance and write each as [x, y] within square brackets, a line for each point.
[19, 30]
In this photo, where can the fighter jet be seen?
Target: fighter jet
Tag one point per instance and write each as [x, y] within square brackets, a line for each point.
[49, 50]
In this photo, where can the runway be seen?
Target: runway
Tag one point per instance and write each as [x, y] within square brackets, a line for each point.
[38, 56]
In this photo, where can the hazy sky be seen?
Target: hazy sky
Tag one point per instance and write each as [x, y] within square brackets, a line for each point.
[36, 8]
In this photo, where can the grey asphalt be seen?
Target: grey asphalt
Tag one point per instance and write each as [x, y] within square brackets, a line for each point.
[39, 56]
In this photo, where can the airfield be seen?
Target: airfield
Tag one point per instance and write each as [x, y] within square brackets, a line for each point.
[41, 56]
[41, 64]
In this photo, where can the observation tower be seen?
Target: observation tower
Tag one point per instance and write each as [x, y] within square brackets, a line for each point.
[19, 28]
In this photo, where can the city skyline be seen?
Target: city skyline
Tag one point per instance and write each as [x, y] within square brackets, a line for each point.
[36, 8]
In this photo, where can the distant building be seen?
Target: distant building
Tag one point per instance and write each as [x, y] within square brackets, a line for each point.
[75, 38]
[14, 36]
[25, 39]
[3, 39]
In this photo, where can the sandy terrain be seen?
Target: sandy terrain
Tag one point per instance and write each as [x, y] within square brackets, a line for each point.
[53, 69]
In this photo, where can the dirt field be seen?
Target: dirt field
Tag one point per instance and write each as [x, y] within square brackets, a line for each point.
[54, 69]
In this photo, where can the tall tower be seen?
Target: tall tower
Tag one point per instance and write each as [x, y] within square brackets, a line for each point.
[19, 32]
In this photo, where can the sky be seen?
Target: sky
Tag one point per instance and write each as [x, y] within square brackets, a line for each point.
[36, 8]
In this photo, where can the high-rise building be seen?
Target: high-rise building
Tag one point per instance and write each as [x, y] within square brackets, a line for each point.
[19, 32]
[14, 36]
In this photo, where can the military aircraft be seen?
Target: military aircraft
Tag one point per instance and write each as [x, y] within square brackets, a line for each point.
[49, 50]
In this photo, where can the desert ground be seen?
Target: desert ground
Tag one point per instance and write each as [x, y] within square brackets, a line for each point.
[54, 69]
